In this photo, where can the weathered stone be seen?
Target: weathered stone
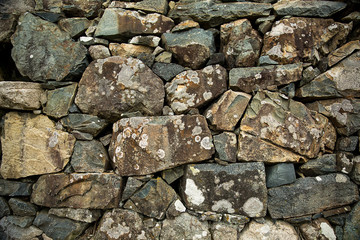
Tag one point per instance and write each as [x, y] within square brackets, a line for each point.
[78, 190]
[226, 146]
[336, 211]
[157, 6]
[74, 26]
[15, 188]
[226, 112]
[185, 25]
[175, 209]
[265, 77]
[214, 14]
[318, 229]
[280, 174]
[167, 71]
[341, 80]
[312, 8]
[84, 123]
[114, 24]
[344, 162]
[7, 26]
[269, 230]
[115, 85]
[164, 57]
[99, 52]
[21, 95]
[132, 186]
[76, 214]
[12, 231]
[19, 221]
[191, 89]
[49, 16]
[355, 174]
[82, 136]
[309, 74]
[299, 39]
[342, 52]
[319, 166]
[22, 208]
[240, 43]
[352, 17]
[164, 141]
[303, 196]
[31, 145]
[89, 156]
[288, 123]
[81, 8]
[192, 48]
[128, 50]
[348, 144]
[173, 174]
[121, 224]
[212, 187]
[42, 58]
[58, 228]
[351, 228]
[185, 226]
[17, 6]
[235, 219]
[216, 58]
[89, 41]
[265, 23]
[153, 199]
[224, 231]
[150, 41]
[4, 208]
[59, 101]
[105, 140]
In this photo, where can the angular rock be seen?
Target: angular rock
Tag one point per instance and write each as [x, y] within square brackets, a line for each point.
[342, 52]
[318, 229]
[303, 196]
[42, 58]
[175, 209]
[226, 146]
[81, 8]
[74, 26]
[312, 8]
[214, 14]
[185, 25]
[88, 41]
[121, 224]
[115, 85]
[82, 136]
[265, 23]
[235, 219]
[59, 101]
[58, 228]
[150, 41]
[167, 71]
[164, 141]
[351, 228]
[289, 124]
[299, 39]
[17, 6]
[185, 226]
[76, 214]
[212, 187]
[22, 222]
[128, 50]
[280, 174]
[154, 24]
[339, 81]
[348, 144]
[172, 174]
[99, 52]
[309, 74]
[164, 57]
[265, 77]
[22, 208]
[192, 48]
[157, 6]
[191, 89]
[153, 199]
[252, 148]
[31, 145]
[355, 174]
[224, 231]
[21, 95]
[226, 112]
[7, 26]
[12, 231]
[240, 43]
[344, 162]
[4, 208]
[15, 188]
[269, 230]
[84, 123]
[132, 186]
[78, 190]
[319, 166]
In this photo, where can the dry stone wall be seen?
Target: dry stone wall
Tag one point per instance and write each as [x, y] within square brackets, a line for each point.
[187, 119]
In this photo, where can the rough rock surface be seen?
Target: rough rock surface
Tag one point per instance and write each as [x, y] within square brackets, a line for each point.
[31, 145]
[157, 6]
[9, 230]
[77, 214]
[226, 146]
[115, 85]
[128, 50]
[318, 229]
[351, 227]
[342, 52]
[84, 123]
[22, 208]
[167, 71]
[280, 174]
[319, 166]
[164, 142]
[74, 26]
[15, 188]
[81, 8]
[59, 101]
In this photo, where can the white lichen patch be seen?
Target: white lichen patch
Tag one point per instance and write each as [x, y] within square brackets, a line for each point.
[223, 205]
[53, 140]
[280, 29]
[197, 139]
[196, 131]
[253, 207]
[144, 141]
[179, 206]
[340, 178]
[193, 194]
[227, 185]
[206, 143]
[160, 153]
[207, 95]
[114, 231]
[327, 231]
[208, 70]
[194, 170]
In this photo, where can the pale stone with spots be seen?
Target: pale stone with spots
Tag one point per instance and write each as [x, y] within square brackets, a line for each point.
[318, 229]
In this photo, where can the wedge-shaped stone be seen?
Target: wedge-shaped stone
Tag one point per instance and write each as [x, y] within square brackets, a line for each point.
[342, 52]
[225, 189]
[14, 188]
[59, 101]
[289, 124]
[319, 166]
[158, 6]
[84, 123]
[302, 197]
[31, 145]
[143, 145]
[77, 214]
[115, 85]
[266, 77]
[78, 190]
[191, 89]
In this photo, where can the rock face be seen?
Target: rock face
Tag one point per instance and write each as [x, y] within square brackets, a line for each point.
[78, 190]
[334, 190]
[319, 166]
[115, 85]
[164, 142]
[84, 123]
[81, 8]
[77, 214]
[280, 174]
[31, 146]
[14, 188]
[59, 101]
[226, 146]
[191, 89]
[351, 230]
[211, 187]
[42, 58]
[342, 52]
[158, 6]
[320, 228]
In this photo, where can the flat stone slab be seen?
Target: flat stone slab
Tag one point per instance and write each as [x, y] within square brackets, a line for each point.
[144, 145]
[225, 189]
[302, 197]
[78, 190]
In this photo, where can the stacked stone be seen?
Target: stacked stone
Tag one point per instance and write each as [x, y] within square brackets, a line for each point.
[194, 119]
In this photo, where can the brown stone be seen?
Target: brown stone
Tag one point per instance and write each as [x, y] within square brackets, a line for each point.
[342, 52]
[7, 26]
[81, 8]
[32, 146]
[164, 142]
[128, 50]
[157, 6]
[78, 190]
[99, 52]
[185, 25]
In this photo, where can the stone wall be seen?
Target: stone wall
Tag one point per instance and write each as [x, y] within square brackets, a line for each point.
[154, 119]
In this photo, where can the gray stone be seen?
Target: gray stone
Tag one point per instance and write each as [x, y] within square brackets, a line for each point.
[150, 41]
[77, 214]
[4, 208]
[59, 101]
[344, 162]
[105, 140]
[164, 57]
[81, 8]
[192, 48]
[58, 228]
[212, 187]
[22, 208]
[342, 52]
[280, 174]
[84, 123]
[89, 156]
[309, 74]
[82, 136]
[224, 231]
[157, 6]
[322, 165]
[318, 229]
[11, 231]
[21, 221]
[265, 23]
[99, 52]
[226, 146]
[355, 174]
[216, 58]
[74, 26]
[15, 188]
[7, 26]
[303, 196]
[173, 174]
[351, 228]
[167, 71]
[175, 209]
[42, 58]
[89, 41]
[49, 16]
[129, 50]
[348, 144]
[17, 6]
[312, 8]
[132, 186]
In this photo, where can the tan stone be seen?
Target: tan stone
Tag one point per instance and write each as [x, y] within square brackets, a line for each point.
[342, 52]
[128, 50]
[185, 25]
